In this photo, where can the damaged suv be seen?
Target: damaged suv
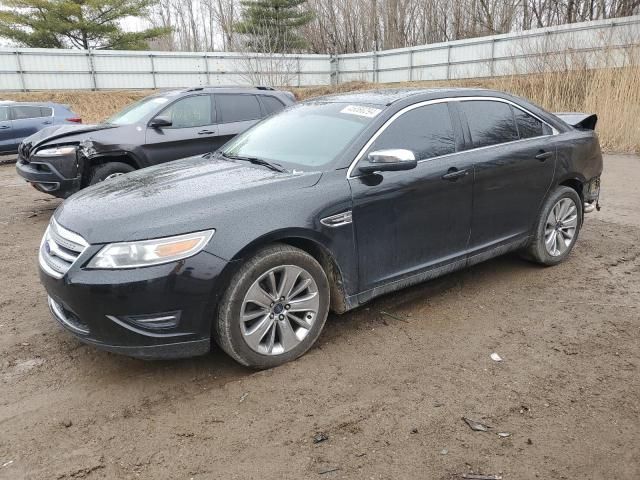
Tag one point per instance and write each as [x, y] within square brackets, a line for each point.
[62, 159]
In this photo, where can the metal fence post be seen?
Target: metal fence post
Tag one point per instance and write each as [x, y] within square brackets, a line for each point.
[153, 71]
[334, 70]
[448, 62]
[493, 58]
[410, 65]
[23, 85]
[298, 72]
[375, 67]
[92, 70]
[206, 66]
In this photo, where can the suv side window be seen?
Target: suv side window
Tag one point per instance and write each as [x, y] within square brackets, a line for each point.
[21, 112]
[237, 108]
[189, 112]
[427, 131]
[271, 104]
[529, 126]
[4, 114]
[490, 122]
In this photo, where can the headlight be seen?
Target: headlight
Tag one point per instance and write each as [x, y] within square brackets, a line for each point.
[150, 252]
[56, 151]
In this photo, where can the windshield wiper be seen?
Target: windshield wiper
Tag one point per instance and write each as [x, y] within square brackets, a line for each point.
[257, 161]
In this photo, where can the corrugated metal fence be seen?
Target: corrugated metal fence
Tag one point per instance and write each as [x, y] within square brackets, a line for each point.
[594, 44]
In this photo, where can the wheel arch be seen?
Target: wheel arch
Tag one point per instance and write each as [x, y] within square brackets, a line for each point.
[119, 156]
[315, 245]
[103, 158]
[576, 183]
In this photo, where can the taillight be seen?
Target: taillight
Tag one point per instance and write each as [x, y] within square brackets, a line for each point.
[74, 119]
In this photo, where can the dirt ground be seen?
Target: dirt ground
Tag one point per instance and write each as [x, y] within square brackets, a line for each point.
[389, 391]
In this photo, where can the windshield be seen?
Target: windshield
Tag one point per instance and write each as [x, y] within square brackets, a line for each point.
[137, 111]
[307, 135]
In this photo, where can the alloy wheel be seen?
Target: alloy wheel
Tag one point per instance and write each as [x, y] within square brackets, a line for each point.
[113, 175]
[279, 310]
[560, 227]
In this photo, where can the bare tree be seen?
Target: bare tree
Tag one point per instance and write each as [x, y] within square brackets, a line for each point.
[345, 26]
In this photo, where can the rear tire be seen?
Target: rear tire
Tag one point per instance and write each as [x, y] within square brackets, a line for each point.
[102, 172]
[557, 228]
[274, 308]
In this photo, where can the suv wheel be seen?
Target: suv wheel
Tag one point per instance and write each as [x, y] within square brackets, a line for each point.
[274, 309]
[108, 170]
[557, 228]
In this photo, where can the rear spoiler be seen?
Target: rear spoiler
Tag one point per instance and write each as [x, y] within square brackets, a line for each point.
[583, 121]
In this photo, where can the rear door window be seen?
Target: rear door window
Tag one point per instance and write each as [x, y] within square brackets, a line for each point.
[427, 131]
[271, 104]
[237, 108]
[189, 112]
[4, 114]
[490, 122]
[22, 112]
[529, 126]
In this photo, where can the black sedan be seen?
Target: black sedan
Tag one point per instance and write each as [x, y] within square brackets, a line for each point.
[322, 207]
[62, 159]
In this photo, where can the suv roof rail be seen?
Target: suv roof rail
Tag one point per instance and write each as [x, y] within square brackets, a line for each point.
[257, 87]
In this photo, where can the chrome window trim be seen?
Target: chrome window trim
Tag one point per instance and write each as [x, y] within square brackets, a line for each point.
[408, 108]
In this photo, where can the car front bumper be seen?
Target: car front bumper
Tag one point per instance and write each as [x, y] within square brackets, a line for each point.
[58, 176]
[163, 311]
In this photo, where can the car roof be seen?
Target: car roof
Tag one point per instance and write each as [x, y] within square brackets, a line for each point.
[220, 89]
[387, 96]
[29, 104]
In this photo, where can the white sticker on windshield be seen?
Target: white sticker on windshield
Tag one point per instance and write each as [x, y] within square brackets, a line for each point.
[361, 110]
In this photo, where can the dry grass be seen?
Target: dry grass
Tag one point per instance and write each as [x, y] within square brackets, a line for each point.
[614, 94]
[91, 106]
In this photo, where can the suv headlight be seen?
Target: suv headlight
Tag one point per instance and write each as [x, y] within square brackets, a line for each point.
[150, 252]
[56, 151]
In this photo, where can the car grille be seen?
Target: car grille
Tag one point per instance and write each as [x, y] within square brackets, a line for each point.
[59, 249]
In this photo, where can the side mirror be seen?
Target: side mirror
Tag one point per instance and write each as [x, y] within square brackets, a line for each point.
[160, 122]
[389, 160]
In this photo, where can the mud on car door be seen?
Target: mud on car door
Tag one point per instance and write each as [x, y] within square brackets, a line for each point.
[513, 154]
[401, 225]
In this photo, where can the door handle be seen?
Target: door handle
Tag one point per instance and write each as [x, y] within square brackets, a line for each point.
[542, 156]
[48, 122]
[454, 174]
[206, 132]
[4, 127]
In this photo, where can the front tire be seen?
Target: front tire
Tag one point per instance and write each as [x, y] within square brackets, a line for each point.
[108, 170]
[274, 308]
[557, 227]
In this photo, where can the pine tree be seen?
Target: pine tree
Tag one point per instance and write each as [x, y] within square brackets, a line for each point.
[271, 26]
[82, 24]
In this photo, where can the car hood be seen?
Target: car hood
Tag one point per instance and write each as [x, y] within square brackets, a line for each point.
[64, 133]
[173, 198]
